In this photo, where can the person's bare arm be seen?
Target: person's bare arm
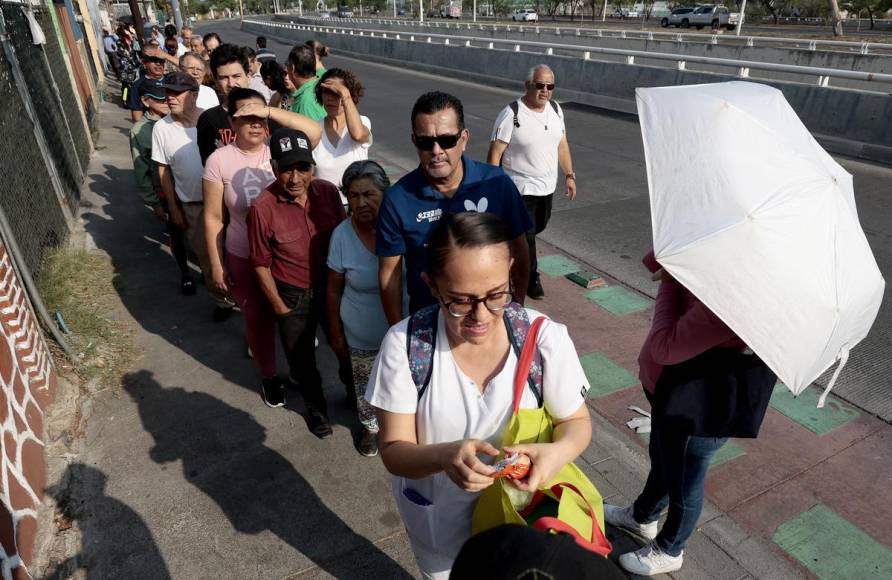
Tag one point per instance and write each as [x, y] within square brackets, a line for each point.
[334, 293]
[135, 115]
[213, 231]
[156, 52]
[284, 118]
[404, 457]
[170, 193]
[496, 150]
[390, 280]
[566, 163]
[520, 270]
[358, 132]
[268, 285]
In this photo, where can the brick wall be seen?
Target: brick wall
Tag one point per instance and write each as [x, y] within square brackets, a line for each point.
[27, 386]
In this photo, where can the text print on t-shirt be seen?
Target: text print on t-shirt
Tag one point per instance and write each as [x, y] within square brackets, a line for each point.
[479, 207]
[430, 215]
[251, 183]
[227, 136]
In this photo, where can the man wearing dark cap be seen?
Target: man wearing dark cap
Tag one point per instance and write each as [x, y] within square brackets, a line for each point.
[175, 150]
[289, 227]
[145, 171]
[154, 66]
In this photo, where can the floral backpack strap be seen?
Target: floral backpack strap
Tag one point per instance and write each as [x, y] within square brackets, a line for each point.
[421, 342]
[517, 321]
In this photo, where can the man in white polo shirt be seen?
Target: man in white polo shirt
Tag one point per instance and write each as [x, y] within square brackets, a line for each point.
[529, 141]
[175, 150]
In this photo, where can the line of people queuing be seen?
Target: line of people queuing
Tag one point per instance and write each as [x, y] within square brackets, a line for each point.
[291, 223]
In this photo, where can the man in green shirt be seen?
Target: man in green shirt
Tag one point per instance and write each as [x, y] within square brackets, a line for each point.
[145, 173]
[302, 71]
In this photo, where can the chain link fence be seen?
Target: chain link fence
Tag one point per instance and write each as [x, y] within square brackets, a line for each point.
[28, 195]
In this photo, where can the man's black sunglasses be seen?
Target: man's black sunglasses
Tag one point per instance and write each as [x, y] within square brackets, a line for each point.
[543, 86]
[444, 141]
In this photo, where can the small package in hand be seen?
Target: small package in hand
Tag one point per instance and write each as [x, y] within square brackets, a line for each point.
[515, 466]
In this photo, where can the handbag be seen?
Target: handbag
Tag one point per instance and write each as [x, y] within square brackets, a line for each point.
[569, 503]
[719, 393]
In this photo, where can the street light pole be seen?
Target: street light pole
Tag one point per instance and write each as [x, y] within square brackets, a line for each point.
[740, 20]
[475, 10]
[420, 10]
[604, 12]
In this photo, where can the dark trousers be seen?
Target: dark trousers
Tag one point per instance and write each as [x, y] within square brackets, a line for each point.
[297, 330]
[678, 466]
[539, 208]
[114, 63]
[177, 242]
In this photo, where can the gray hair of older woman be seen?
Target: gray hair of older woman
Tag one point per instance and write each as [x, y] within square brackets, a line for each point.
[365, 169]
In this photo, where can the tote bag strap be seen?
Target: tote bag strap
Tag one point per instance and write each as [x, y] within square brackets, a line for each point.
[598, 542]
[525, 361]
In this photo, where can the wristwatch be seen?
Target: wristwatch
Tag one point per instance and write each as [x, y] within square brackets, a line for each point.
[571, 175]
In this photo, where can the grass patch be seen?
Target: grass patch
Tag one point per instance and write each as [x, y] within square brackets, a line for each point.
[78, 285]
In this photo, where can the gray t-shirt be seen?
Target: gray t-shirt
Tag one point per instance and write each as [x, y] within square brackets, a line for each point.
[361, 311]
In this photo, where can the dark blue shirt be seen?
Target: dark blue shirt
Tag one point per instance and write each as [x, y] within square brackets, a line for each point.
[411, 210]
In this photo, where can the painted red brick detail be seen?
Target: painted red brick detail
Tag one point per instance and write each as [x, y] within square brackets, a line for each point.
[27, 387]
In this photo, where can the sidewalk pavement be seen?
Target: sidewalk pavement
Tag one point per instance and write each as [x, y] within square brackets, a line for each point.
[186, 474]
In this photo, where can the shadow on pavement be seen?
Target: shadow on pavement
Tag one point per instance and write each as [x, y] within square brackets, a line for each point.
[223, 454]
[100, 518]
[148, 283]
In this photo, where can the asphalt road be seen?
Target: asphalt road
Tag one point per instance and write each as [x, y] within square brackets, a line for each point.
[608, 225]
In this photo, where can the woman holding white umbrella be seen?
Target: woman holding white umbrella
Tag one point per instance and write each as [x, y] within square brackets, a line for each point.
[688, 354]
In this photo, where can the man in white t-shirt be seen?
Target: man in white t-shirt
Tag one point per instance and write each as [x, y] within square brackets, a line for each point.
[529, 141]
[175, 150]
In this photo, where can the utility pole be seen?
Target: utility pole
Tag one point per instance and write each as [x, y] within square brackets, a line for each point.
[137, 21]
[177, 17]
[740, 20]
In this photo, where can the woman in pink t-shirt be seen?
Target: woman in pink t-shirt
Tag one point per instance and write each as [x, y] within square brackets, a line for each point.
[234, 177]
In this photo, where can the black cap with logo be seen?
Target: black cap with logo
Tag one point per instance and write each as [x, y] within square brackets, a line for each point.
[289, 146]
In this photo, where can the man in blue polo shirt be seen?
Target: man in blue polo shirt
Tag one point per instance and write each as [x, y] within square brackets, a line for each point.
[446, 181]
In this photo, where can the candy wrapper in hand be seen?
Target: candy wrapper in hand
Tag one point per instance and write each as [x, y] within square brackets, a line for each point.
[515, 466]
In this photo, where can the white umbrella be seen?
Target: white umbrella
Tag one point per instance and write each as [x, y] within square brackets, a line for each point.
[759, 222]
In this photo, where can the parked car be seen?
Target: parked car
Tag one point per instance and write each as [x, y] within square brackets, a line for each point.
[451, 11]
[675, 17]
[525, 15]
[711, 15]
[626, 13]
[402, 12]
[324, 14]
[345, 12]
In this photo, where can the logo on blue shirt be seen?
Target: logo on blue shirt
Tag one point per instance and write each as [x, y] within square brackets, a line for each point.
[430, 215]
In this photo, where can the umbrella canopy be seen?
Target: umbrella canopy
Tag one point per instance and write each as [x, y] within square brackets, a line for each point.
[759, 222]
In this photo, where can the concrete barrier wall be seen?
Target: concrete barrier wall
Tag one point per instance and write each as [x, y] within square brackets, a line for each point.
[847, 121]
[27, 387]
[837, 59]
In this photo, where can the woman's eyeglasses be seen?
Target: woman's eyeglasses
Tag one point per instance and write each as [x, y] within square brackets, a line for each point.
[461, 308]
[444, 141]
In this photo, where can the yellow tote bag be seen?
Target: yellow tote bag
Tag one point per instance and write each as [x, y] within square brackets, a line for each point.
[569, 503]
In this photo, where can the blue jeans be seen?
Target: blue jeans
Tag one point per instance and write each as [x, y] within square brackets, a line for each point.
[678, 465]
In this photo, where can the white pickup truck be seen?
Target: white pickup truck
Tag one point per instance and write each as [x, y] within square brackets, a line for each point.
[711, 15]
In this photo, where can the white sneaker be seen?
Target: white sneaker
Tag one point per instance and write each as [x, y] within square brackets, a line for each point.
[621, 517]
[650, 561]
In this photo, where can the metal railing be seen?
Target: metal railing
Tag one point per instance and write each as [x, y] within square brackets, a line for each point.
[863, 47]
[743, 67]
